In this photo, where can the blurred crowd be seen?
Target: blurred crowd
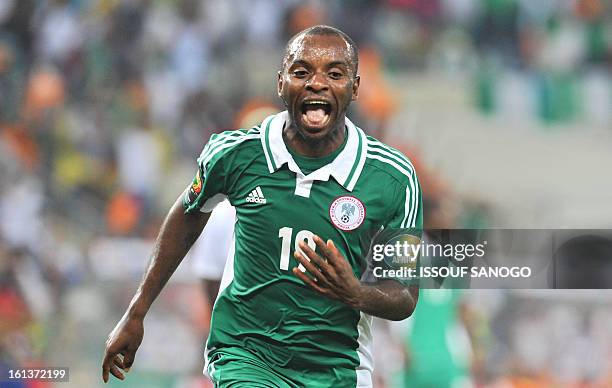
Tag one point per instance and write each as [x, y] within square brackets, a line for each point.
[105, 104]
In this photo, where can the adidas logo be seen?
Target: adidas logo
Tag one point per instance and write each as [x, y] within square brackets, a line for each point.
[256, 196]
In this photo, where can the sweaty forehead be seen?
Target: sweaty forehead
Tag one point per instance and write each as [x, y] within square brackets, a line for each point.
[310, 48]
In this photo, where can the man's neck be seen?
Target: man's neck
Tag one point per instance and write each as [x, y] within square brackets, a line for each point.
[313, 148]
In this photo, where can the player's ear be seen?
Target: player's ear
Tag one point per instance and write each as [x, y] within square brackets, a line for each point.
[356, 88]
[279, 84]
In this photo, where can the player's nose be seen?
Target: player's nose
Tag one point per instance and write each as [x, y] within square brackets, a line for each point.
[317, 82]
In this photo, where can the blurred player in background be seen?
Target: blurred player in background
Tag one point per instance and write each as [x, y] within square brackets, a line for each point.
[281, 321]
[437, 345]
[437, 342]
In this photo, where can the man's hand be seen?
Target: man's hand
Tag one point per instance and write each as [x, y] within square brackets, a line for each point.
[332, 273]
[121, 347]
[332, 276]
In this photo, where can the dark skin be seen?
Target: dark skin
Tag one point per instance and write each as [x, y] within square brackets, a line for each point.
[178, 233]
[318, 68]
[331, 275]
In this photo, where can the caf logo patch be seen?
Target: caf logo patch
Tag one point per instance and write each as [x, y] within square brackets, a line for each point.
[347, 212]
[196, 186]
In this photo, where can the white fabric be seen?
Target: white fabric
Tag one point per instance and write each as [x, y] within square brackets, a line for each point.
[364, 351]
[226, 280]
[339, 168]
[211, 250]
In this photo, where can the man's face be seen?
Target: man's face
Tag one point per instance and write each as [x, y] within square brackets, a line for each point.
[317, 84]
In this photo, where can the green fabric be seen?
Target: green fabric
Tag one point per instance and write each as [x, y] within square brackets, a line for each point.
[236, 367]
[266, 309]
[558, 99]
[432, 363]
[596, 41]
[308, 164]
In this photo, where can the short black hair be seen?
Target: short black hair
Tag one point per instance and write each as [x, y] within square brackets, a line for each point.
[325, 30]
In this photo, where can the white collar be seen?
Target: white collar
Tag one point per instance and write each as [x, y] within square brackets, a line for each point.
[345, 168]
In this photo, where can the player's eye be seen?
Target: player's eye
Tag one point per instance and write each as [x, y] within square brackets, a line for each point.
[300, 73]
[335, 74]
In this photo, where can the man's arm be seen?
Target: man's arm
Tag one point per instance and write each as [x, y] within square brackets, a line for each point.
[178, 233]
[334, 278]
[388, 299]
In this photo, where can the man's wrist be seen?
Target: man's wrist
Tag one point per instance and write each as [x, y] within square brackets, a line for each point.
[135, 314]
[136, 310]
[356, 299]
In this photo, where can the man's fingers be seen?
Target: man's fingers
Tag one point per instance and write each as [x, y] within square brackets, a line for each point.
[326, 249]
[115, 362]
[310, 267]
[106, 364]
[118, 360]
[128, 359]
[297, 272]
[315, 258]
[321, 245]
[116, 372]
[105, 374]
[332, 248]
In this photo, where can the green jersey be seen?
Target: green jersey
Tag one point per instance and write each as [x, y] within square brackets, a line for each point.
[438, 342]
[262, 306]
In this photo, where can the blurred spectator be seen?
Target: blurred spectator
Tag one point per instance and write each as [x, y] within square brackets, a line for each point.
[123, 213]
[16, 25]
[304, 15]
[11, 75]
[60, 32]
[124, 34]
[139, 158]
[376, 99]
[23, 201]
[189, 55]
[44, 92]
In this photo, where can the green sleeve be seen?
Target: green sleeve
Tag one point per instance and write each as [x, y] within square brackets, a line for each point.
[209, 184]
[404, 226]
[407, 212]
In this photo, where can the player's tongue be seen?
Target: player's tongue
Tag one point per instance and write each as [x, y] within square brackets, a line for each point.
[315, 116]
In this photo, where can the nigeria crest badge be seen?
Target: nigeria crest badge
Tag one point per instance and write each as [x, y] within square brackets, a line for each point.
[347, 212]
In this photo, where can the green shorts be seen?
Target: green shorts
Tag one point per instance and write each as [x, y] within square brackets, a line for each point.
[239, 368]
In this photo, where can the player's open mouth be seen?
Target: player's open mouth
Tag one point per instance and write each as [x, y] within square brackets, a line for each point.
[316, 113]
